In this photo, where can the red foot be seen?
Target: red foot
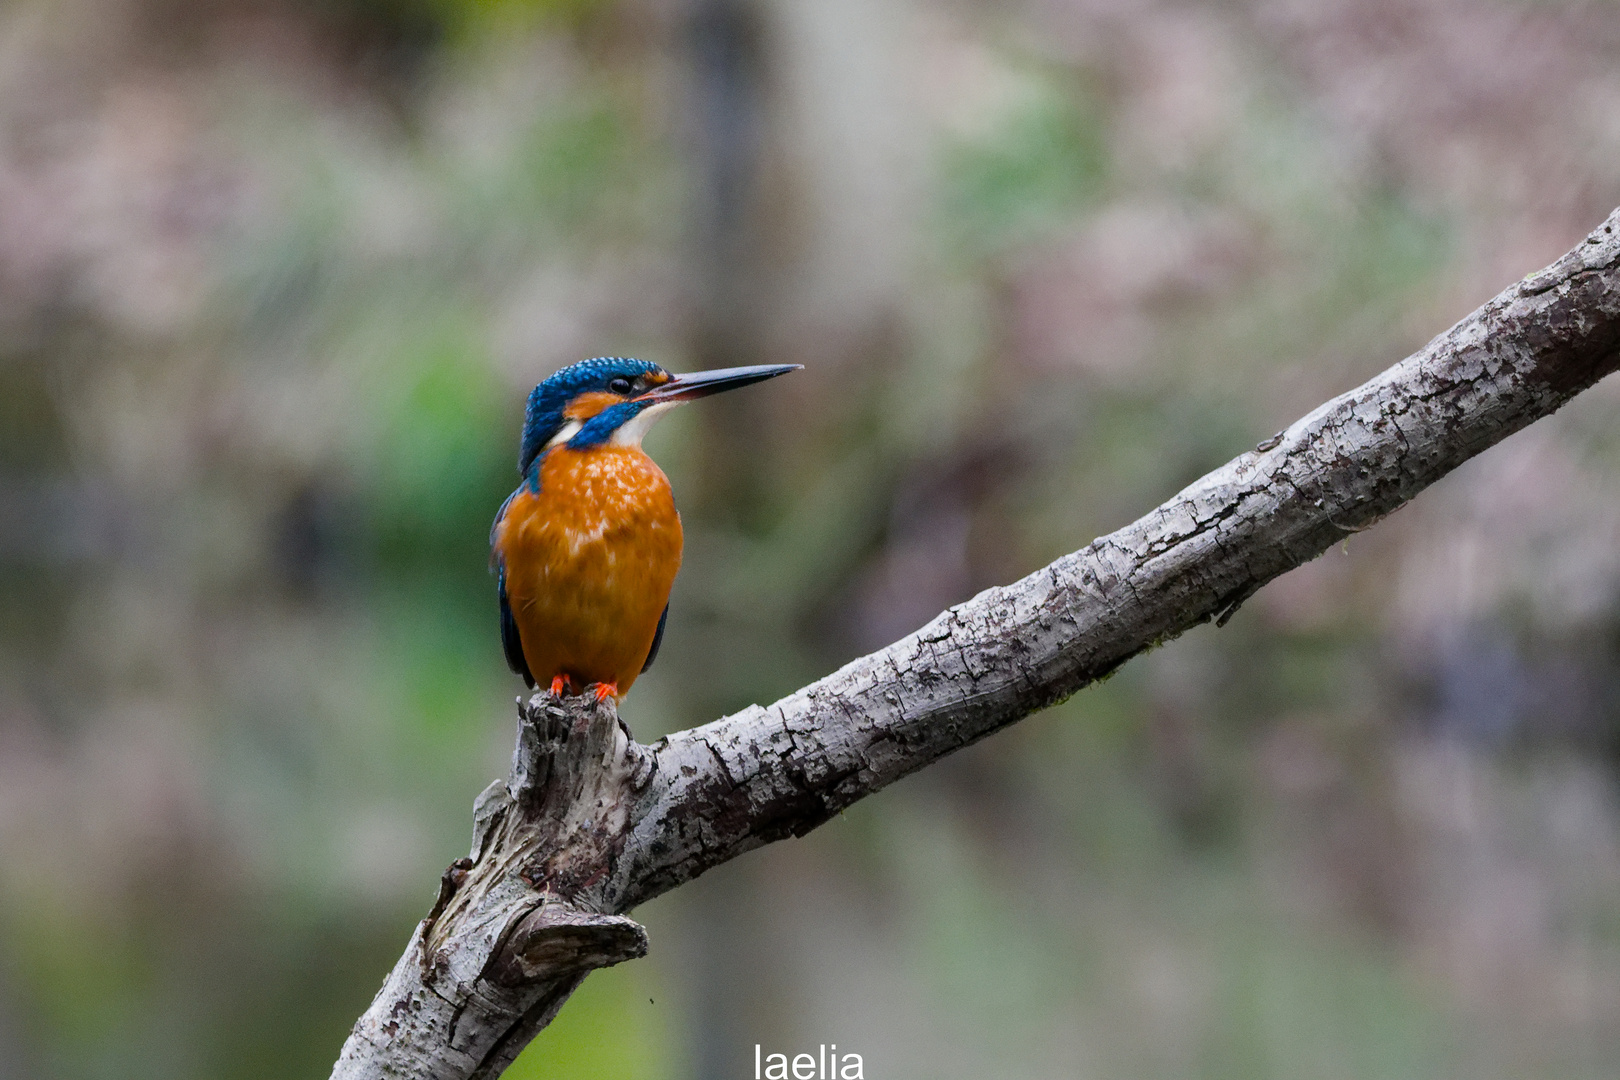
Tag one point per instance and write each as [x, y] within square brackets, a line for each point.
[605, 690]
[559, 684]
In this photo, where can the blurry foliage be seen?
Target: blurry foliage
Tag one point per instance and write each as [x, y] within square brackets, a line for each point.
[32, 439]
[1041, 163]
[477, 18]
[250, 679]
[436, 465]
[611, 1029]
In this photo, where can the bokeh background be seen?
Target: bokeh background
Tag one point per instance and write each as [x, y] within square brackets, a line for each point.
[276, 275]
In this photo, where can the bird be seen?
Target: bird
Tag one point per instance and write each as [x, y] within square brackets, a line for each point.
[585, 551]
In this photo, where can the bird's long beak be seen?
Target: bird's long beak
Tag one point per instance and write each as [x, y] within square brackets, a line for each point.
[703, 383]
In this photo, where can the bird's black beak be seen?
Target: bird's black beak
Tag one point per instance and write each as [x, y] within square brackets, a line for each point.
[703, 383]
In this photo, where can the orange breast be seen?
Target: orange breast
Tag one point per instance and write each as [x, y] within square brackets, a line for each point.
[590, 559]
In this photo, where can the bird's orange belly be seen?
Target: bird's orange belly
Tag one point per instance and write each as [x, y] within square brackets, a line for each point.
[590, 559]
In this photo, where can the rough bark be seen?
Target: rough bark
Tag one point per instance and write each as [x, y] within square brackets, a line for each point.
[590, 824]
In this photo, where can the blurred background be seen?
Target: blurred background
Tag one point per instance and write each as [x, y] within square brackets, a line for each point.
[276, 275]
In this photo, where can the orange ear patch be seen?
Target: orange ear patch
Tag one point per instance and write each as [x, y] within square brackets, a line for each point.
[588, 405]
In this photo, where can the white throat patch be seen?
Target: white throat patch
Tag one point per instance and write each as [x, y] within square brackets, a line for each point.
[633, 430]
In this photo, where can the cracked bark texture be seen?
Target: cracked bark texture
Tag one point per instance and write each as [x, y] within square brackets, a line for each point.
[590, 823]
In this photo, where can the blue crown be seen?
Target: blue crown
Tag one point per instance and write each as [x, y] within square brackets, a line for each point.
[543, 417]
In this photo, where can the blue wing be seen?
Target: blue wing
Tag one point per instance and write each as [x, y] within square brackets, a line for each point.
[511, 643]
[658, 639]
[495, 526]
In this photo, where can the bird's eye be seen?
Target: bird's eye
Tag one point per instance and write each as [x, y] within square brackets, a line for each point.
[621, 385]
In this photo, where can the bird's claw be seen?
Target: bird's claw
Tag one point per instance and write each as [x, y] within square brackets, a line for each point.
[562, 684]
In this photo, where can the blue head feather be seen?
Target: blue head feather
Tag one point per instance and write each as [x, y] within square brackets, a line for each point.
[600, 428]
[544, 415]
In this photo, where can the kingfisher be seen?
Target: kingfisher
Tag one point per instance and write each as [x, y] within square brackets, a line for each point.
[587, 547]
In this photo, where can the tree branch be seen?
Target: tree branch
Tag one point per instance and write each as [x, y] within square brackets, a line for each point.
[590, 824]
